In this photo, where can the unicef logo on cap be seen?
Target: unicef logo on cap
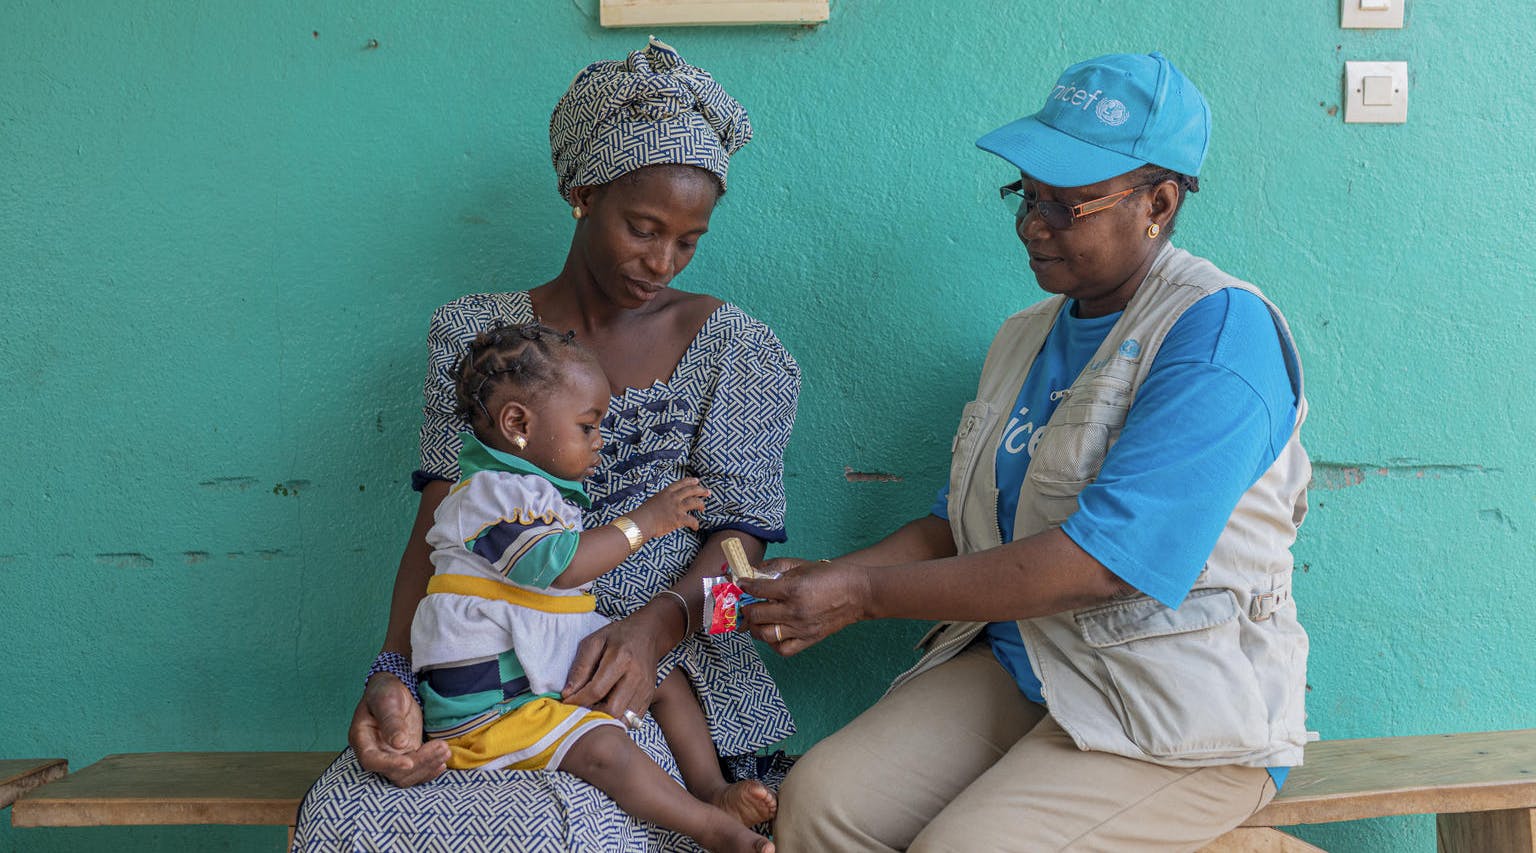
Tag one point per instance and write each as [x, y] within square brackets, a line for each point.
[1112, 112]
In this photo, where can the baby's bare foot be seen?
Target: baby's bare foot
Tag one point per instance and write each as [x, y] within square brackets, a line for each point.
[749, 801]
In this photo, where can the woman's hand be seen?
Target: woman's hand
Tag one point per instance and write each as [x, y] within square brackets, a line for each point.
[780, 565]
[809, 602]
[386, 735]
[615, 668]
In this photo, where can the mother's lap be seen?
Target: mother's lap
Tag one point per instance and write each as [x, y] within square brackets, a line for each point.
[529, 811]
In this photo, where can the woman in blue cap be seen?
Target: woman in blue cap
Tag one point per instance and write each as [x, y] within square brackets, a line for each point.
[640, 149]
[1119, 666]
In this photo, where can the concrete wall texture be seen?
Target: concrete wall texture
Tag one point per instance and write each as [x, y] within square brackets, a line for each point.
[223, 227]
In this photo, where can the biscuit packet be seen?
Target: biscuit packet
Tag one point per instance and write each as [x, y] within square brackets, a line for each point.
[723, 599]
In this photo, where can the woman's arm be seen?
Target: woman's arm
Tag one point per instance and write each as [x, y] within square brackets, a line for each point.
[386, 727]
[414, 571]
[1036, 576]
[926, 538]
[615, 667]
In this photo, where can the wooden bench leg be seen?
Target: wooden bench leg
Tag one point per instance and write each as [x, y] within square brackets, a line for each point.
[1259, 839]
[1508, 831]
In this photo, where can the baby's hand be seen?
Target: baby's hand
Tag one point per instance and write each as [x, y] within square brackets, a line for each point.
[671, 508]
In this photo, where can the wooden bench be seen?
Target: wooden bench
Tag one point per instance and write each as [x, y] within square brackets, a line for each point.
[20, 775]
[161, 788]
[1482, 786]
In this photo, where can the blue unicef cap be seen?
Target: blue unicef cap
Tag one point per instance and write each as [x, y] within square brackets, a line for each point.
[1106, 117]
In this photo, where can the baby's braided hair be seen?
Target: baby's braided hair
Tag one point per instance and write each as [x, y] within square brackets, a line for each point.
[525, 358]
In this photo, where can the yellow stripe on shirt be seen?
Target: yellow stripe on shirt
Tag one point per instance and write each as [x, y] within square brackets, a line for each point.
[498, 591]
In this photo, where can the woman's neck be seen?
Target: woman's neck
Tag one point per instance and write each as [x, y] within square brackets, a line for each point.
[572, 300]
[636, 347]
[1121, 296]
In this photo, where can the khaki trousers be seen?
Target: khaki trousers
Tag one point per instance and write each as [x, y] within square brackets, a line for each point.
[958, 760]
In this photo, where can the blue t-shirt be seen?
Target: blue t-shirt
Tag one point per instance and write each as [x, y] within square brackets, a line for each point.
[1217, 407]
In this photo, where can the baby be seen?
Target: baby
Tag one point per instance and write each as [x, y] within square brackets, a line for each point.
[494, 638]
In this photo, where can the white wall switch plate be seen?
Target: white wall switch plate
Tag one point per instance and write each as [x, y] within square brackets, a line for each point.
[1376, 92]
[1371, 14]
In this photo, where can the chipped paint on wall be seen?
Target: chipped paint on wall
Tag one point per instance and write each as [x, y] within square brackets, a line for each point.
[1332, 476]
[853, 476]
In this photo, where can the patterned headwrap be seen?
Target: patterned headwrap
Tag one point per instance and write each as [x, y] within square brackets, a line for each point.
[649, 109]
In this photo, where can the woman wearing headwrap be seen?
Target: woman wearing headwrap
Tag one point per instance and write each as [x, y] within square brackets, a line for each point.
[640, 149]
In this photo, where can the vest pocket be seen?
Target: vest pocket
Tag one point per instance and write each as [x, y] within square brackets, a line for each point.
[1068, 457]
[1178, 679]
[1074, 441]
[971, 525]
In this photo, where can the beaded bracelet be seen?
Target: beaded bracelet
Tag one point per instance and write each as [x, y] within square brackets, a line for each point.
[397, 665]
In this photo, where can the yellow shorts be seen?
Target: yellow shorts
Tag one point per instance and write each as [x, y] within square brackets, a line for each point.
[534, 736]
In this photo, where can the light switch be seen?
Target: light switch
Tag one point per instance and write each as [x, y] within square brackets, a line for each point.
[1371, 14]
[1376, 92]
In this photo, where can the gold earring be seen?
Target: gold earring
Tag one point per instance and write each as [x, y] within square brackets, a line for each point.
[576, 213]
[1153, 230]
[519, 442]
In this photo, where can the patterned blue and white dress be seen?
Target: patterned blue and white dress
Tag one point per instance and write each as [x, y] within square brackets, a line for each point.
[724, 416]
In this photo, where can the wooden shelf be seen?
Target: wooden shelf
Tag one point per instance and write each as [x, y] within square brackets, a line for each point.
[648, 13]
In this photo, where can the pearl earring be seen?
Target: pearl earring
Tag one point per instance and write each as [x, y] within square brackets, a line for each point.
[576, 213]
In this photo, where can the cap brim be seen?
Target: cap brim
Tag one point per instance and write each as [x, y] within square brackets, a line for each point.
[1055, 158]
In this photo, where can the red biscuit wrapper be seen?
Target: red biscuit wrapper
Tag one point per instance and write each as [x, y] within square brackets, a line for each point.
[723, 601]
[722, 604]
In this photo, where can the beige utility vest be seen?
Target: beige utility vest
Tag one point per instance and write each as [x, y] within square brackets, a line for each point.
[1221, 680]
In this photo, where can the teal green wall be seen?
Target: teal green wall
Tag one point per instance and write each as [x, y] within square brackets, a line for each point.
[223, 227]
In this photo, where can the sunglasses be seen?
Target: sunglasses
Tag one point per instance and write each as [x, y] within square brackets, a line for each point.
[1054, 214]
